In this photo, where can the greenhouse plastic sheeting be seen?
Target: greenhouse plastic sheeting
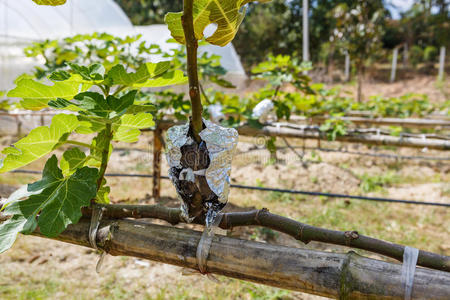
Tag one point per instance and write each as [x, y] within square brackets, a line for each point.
[24, 19]
[22, 22]
[159, 34]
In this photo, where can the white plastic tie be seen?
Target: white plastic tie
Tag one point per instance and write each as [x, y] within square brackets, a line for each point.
[410, 256]
[278, 126]
[205, 244]
[188, 174]
[97, 213]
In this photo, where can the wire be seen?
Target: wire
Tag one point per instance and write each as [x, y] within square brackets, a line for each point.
[383, 155]
[288, 191]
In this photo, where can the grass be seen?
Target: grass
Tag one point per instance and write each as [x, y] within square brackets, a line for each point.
[377, 183]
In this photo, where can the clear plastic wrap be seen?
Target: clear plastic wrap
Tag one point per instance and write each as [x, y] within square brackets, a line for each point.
[410, 256]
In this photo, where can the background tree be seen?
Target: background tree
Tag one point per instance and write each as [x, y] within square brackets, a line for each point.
[359, 31]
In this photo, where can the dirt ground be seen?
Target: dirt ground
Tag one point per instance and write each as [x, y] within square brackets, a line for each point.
[38, 268]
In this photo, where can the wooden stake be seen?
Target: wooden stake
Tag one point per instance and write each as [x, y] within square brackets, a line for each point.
[441, 63]
[157, 152]
[394, 65]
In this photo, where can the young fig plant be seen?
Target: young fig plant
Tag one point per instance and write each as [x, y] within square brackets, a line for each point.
[200, 152]
[95, 102]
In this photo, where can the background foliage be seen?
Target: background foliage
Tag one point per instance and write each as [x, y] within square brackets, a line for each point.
[276, 27]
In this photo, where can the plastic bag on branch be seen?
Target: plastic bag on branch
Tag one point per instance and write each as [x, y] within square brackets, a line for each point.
[215, 110]
[200, 172]
[262, 110]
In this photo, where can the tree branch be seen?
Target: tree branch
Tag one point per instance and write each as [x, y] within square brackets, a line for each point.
[191, 50]
[299, 231]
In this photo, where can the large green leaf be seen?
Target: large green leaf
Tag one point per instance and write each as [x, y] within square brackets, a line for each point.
[118, 74]
[95, 104]
[39, 142]
[36, 95]
[128, 128]
[60, 201]
[169, 78]
[50, 2]
[225, 13]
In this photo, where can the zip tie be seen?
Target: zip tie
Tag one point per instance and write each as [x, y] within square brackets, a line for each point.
[410, 256]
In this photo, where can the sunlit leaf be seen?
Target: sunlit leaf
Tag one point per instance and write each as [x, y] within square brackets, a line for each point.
[36, 95]
[120, 76]
[226, 14]
[38, 143]
[50, 2]
[128, 129]
[169, 78]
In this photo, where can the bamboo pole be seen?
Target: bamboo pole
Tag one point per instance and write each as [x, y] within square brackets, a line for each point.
[335, 275]
[313, 133]
[300, 231]
[405, 123]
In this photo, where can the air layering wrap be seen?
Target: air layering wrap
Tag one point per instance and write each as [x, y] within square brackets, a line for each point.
[220, 144]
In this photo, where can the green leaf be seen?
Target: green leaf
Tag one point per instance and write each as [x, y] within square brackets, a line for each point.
[128, 128]
[92, 73]
[98, 144]
[169, 78]
[225, 13]
[103, 193]
[72, 160]
[59, 76]
[123, 103]
[222, 82]
[118, 74]
[50, 2]
[93, 102]
[36, 95]
[39, 142]
[134, 109]
[9, 231]
[60, 201]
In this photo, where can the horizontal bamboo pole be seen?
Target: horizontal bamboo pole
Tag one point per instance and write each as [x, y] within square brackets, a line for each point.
[312, 133]
[371, 139]
[297, 230]
[405, 123]
[343, 276]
